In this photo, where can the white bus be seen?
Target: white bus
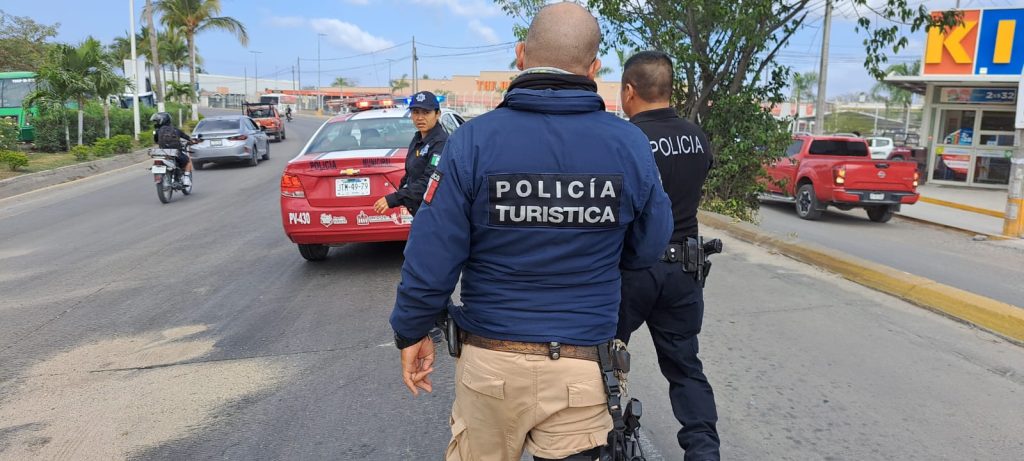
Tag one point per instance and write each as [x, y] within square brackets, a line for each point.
[281, 101]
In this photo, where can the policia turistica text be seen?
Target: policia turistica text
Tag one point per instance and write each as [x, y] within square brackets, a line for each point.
[536, 205]
[665, 296]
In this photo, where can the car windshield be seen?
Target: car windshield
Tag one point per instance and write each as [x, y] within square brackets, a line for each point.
[377, 133]
[207, 126]
[262, 112]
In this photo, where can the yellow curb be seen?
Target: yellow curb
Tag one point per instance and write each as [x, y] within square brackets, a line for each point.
[996, 316]
[960, 206]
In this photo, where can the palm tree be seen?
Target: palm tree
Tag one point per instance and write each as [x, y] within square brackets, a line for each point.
[802, 86]
[194, 16]
[154, 49]
[896, 95]
[68, 74]
[399, 84]
[342, 82]
[119, 51]
[178, 91]
[105, 83]
[175, 52]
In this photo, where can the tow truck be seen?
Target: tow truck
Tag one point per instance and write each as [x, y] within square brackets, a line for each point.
[266, 116]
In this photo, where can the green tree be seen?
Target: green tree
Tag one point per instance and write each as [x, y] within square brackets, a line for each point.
[894, 95]
[70, 73]
[23, 42]
[175, 52]
[178, 91]
[400, 84]
[191, 17]
[802, 87]
[726, 70]
[342, 82]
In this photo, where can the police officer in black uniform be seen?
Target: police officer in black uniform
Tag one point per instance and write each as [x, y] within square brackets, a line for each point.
[665, 296]
[424, 154]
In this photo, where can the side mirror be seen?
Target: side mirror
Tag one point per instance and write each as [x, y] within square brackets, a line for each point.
[263, 128]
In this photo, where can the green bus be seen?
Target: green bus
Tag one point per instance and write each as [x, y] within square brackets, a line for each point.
[14, 87]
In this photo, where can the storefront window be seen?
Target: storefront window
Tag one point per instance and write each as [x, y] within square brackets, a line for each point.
[951, 166]
[997, 121]
[958, 127]
[994, 169]
[995, 139]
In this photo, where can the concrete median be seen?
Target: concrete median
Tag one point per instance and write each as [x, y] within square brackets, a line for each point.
[998, 317]
[29, 182]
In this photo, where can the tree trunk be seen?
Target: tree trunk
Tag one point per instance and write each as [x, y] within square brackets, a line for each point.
[796, 123]
[67, 133]
[906, 123]
[81, 120]
[106, 118]
[154, 50]
[191, 39]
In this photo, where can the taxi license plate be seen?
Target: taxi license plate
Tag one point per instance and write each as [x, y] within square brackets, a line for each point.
[879, 196]
[352, 187]
[159, 170]
[216, 143]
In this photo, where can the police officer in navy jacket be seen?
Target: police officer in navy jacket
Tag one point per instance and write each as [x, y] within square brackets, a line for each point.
[424, 153]
[537, 205]
[668, 299]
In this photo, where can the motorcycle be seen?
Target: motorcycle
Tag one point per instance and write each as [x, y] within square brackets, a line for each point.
[288, 116]
[166, 174]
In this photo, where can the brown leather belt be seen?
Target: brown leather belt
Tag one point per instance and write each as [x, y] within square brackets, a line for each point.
[553, 350]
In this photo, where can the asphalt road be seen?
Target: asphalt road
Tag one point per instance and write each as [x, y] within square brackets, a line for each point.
[194, 330]
[989, 268]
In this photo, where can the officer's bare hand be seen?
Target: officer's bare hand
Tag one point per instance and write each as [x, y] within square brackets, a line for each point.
[381, 205]
[417, 364]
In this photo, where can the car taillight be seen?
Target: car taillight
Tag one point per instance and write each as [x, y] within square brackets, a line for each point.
[240, 137]
[839, 175]
[917, 176]
[364, 104]
[291, 186]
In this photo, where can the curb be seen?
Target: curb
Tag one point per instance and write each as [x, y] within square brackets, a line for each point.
[1003, 319]
[962, 207]
[18, 185]
[962, 230]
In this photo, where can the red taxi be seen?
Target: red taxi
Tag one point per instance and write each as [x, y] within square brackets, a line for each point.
[328, 190]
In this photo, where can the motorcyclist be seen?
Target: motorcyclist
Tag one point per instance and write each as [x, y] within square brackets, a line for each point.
[166, 136]
[288, 113]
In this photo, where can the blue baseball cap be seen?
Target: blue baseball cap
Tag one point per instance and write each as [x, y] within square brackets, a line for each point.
[424, 100]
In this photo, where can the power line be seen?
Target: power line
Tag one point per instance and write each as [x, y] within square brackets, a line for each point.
[467, 47]
[359, 55]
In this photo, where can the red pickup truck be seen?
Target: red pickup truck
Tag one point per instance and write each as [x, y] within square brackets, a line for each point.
[819, 171]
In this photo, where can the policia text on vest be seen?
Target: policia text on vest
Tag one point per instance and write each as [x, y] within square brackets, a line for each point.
[554, 200]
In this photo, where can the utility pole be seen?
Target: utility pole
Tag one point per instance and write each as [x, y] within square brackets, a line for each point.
[389, 74]
[245, 80]
[819, 106]
[415, 69]
[319, 94]
[298, 73]
[135, 65]
[293, 78]
[1013, 220]
[256, 73]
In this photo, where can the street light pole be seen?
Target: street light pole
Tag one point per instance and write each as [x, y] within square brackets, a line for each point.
[135, 66]
[389, 74]
[256, 73]
[319, 93]
[819, 109]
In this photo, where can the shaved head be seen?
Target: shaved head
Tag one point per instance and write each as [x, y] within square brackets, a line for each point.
[563, 35]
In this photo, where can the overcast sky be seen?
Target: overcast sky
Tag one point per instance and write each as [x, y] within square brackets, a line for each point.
[454, 37]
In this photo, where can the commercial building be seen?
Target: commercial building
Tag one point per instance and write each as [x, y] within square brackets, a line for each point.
[970, 81]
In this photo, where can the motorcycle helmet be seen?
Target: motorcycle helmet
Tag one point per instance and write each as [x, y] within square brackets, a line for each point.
[160, 119]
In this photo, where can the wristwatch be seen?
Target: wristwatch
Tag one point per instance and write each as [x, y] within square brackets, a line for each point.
[402, 342]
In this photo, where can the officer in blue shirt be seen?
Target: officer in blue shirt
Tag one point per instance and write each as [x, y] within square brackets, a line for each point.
[665, 296]
[537, 205]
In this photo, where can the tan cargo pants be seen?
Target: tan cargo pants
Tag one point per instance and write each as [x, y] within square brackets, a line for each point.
[506, 401]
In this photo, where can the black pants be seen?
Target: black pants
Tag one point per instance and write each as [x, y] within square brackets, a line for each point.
[672, 303]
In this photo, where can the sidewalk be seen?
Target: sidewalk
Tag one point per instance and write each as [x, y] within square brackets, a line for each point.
[968, 209]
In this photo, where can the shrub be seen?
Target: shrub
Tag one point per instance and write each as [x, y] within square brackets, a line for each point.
[8, 134]
[122, 143]
[103, 147]
[49, 132]
[14, 160]
[81, 152]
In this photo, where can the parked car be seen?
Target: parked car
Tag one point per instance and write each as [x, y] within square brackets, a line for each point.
[328, 190]
[229, 139]
[267, 116]
[822, 171]
[880, 147]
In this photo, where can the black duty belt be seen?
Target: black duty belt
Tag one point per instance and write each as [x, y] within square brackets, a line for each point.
[675, 253]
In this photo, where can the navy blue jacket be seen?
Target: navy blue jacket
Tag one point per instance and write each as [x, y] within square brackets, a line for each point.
[537, 205]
